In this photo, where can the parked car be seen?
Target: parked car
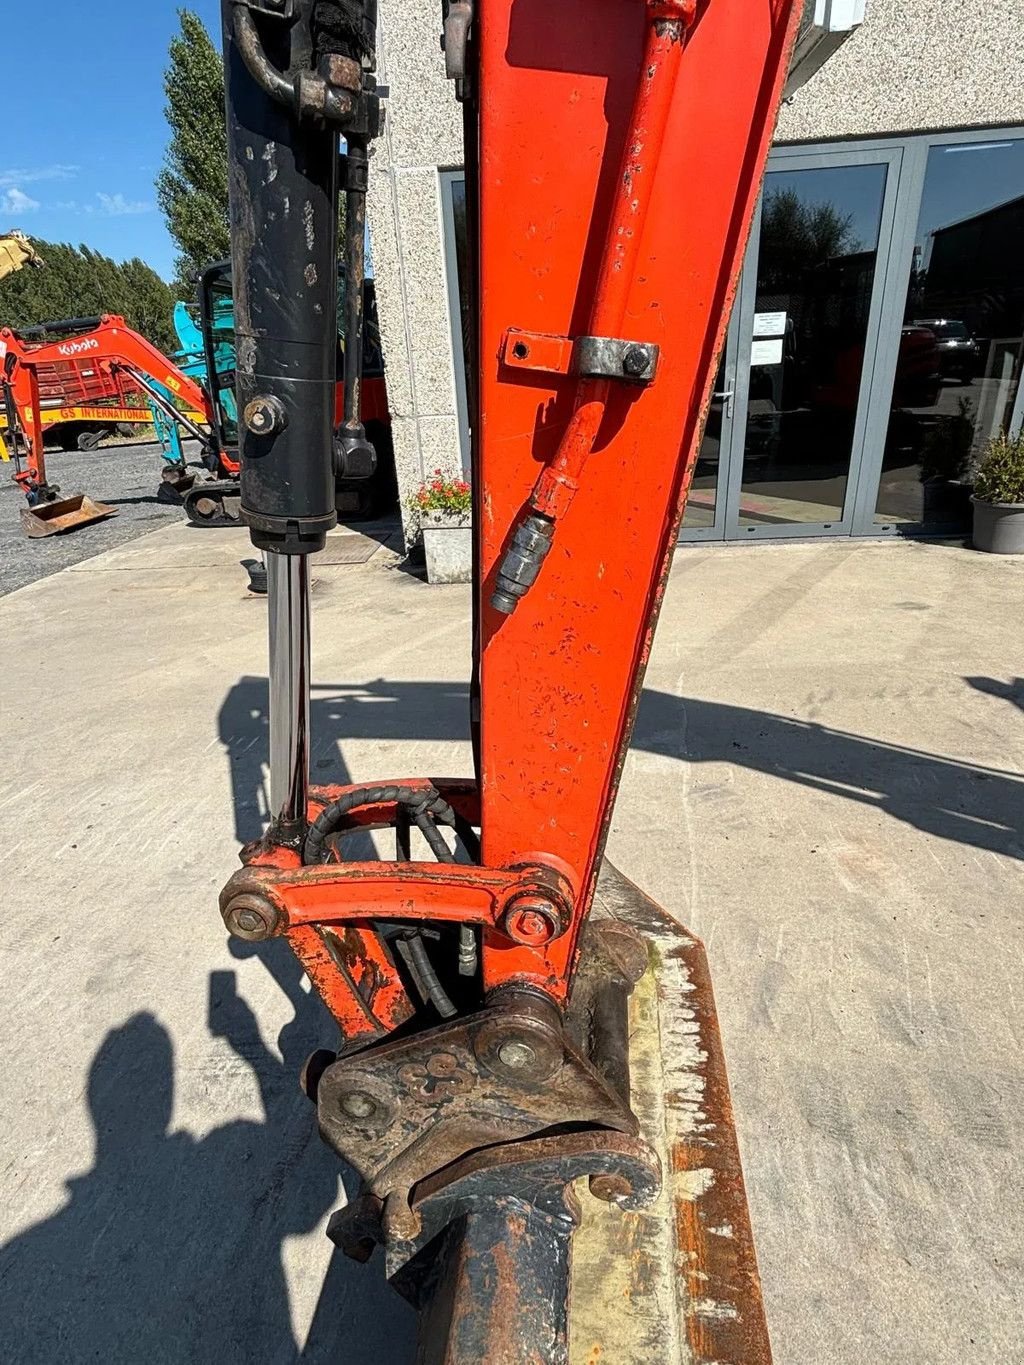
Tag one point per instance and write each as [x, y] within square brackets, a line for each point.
[959, 353]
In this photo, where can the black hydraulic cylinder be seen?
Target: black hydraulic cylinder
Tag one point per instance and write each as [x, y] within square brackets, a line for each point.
[283, 186]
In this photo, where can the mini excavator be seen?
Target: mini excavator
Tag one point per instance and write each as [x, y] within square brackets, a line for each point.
[529, 1084]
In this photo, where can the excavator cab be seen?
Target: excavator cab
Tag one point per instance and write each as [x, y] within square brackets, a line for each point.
[217, 324]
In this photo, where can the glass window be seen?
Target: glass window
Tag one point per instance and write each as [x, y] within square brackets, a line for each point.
[959, 358]
[457, 270]
[815, 282]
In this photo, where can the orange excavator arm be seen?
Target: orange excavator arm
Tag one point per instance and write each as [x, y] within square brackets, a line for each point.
[614, 151]
[106, 343]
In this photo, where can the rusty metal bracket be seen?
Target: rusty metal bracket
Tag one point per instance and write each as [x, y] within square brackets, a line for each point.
[589, 357]
[406, 1109]
[496, 1234]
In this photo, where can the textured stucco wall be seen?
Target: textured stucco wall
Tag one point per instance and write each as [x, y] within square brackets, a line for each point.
[916, 64]
[423, 132]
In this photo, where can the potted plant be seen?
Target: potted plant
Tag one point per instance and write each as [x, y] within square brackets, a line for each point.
[999, 497]
[442, 508]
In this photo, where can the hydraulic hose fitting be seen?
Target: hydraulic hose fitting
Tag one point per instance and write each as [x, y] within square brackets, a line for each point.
[354, 456]
[522, 562]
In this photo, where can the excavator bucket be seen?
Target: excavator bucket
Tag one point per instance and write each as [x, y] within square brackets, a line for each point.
[674, 1280]
[62, 515]
[682, 1273]
[175, 482]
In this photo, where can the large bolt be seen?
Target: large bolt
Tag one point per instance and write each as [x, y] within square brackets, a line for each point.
[251, 917]
[532, 920]
[263, 416]
[516, 1054]
[358, 1105]
[635, 361]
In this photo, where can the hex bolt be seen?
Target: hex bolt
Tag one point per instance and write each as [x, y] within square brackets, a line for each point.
[251, 917]
[532, 920]
[358, 1105]
[516, 1054]
[264, 416]
[635, 361]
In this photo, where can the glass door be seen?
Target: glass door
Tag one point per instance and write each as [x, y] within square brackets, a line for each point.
[960, 322]
[809, 315]
[704, 517]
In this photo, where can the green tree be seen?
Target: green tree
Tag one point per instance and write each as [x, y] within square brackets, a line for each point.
[80, 282]
[192, 187]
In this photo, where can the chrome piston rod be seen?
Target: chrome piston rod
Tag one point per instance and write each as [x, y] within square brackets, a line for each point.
[288, 616]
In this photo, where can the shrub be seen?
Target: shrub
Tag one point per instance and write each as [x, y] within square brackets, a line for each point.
[999, 476]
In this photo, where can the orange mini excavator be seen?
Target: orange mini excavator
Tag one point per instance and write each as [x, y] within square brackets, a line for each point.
[98, 358]
[515, 1017]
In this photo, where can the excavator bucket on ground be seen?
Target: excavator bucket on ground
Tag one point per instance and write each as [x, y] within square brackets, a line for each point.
[682, 1272]
[529, 1269]
[63, 514]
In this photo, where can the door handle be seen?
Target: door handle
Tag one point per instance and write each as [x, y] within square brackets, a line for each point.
[727, 393]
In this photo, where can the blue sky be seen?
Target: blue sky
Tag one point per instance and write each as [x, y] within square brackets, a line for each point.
[82, 148]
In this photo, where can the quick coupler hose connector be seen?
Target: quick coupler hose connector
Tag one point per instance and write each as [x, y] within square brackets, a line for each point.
[522, 562]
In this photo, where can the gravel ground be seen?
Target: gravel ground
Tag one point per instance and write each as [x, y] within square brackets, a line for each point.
[126, 475]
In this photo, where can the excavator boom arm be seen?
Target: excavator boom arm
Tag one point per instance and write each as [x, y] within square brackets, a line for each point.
[614, 150]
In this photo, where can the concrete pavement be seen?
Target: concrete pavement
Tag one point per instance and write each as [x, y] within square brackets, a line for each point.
[825, 785]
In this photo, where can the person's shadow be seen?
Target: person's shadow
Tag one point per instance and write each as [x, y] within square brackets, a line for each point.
[170, 1248]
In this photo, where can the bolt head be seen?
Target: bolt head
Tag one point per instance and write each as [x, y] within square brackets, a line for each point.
[634, 361]
[251, 917]
[358, 1105]
[532, 920]
[516, 1054]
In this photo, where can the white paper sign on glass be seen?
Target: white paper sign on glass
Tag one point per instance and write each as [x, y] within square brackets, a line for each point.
[766, 352]
[769, 324]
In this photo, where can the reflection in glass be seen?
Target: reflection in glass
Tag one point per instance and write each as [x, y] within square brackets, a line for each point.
[815, 276]
[963, 334]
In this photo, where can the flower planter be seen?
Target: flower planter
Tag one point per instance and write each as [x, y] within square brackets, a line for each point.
[448, 546]
[998, 527]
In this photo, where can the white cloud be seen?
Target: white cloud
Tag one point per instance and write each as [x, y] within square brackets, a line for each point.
[17, 201]
[117, 206]
[29, 175]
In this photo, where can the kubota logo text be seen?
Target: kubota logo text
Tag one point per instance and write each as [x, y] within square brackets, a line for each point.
[77, 347]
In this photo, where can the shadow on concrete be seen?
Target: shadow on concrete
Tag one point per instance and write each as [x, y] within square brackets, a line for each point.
[993, 687]
[964, 802]
[170, 1248]
[386, 711]
[970, 804]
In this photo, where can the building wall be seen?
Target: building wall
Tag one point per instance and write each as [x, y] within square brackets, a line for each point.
[422, 133]
[914, 65]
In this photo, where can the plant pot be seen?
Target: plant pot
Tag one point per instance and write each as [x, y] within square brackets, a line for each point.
[998, 527]
[448, 547]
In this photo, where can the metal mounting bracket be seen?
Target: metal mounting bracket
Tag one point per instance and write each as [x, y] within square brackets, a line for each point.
[589, 357]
